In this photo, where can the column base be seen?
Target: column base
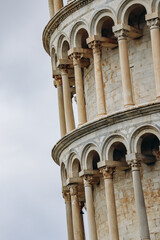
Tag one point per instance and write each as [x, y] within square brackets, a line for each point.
[101, 115]
[129, 105]
[80, 124]
[158, 99]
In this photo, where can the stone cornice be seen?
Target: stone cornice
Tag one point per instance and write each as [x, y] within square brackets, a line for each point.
[98, 124]
[60, 17]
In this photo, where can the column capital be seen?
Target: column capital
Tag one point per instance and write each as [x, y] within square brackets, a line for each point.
[96, 45]
[135, 164]
[58, 81]
[153, 23]
[76, 56]
[88, 180]
[122, 31]
[108, 172]
[73, 190]
[134, 161]
[121, 34]
[67, 196]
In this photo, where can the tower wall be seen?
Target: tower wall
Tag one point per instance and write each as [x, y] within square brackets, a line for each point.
[104, 56]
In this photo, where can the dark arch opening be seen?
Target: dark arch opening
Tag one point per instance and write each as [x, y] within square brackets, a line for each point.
[119, 152]
[106, 28]
[76, 168]
[92, 160]
[150, 145]
[81, 37]
[136, 17]
[65, 48]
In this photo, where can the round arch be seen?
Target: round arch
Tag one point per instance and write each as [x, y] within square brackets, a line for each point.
[87, 159]
[63, 174]
[136, 137]
[53, 58]
[127, 5]
[98, 16]
[109, 146]
[61, 46]
[76, 28]
[73, 165]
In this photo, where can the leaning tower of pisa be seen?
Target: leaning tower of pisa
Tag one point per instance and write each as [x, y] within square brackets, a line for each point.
[105, 56]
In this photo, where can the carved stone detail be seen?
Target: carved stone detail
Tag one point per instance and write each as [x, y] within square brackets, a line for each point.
[88, 180]
[96, 46]
[58, 80]
[67, 196]
[135, 164]
[154, 23]
[73, 190]
[107, 172]
[121, 34]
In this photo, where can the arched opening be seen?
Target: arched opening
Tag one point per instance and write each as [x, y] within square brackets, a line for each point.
[65, 48]
[104, 27]
[117, 152]
[81, 37]
[76, 168]
[63, 174]
[136, 16]
[53, 59]
[149, 146]
[92, 159]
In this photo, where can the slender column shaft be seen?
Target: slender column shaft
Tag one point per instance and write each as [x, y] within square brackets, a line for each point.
[90, 208]
[58, 4]
[125, 69]
[101, 105]
[76, 215]
[139, 200]
[70, 124]
[155, 40]
[79, 92]
[69, 216]
[51, 8]
[61, 106]
[82, 220]
[111, 206]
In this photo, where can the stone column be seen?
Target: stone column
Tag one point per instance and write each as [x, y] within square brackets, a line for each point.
[101, 105]
[70, 124]
[62, 121]
[139, 200]
[125, 69]
[155, 40]
[58, 4]
[90, 208]
[51, 8]
[79, 90]
[111, 205]
[76, 215]
[81, 204]
[67, 198]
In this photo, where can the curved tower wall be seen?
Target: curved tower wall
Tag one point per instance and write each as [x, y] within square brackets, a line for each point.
[106, 56]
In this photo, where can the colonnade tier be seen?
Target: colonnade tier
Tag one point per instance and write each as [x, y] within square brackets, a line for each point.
[96, 43]
[90, 178]
[68, 71]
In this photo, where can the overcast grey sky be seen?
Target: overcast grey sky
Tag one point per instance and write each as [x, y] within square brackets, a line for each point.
[31, 204]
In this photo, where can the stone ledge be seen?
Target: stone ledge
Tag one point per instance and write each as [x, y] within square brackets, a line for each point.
[106, 121]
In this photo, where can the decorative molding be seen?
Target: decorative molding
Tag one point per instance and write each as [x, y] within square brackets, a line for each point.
[104, 122]
[59, 18]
